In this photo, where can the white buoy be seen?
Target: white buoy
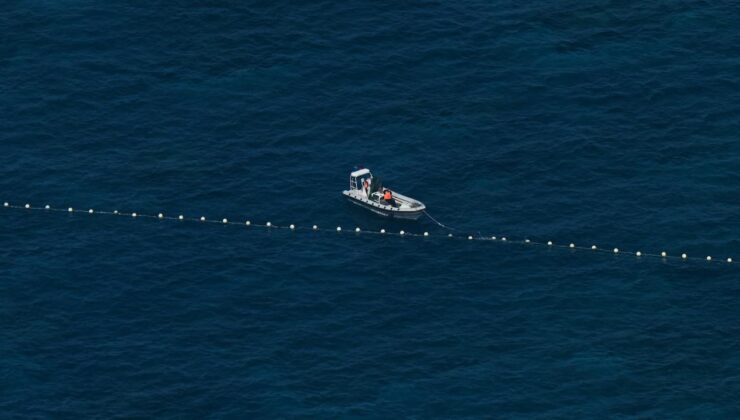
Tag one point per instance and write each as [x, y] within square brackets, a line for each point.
[292, 227]
[115, 211]
[28, 206]
[449, 235]
[663, 254]
[47, 207]
[402, 233]
[526, 241]
[572, 245]
[593, 247]
[638, 253]
[339, 228]
[709, 258]
[181, 217]
[6, 204]
[503, 239]
[90, 211]
[357, 230]
[426, 233]
[382, 230]
[616, 250]
[70, 209]
[202, 218]
[315, 227]
[729, 260]
[493, 237]
[248, 223]
[268, 224]
[133, 214]
[549, 243]
[470, 237]
[684, 256]
[225, 220]
[160, 215]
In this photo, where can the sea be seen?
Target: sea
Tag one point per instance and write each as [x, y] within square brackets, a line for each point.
[613, 123]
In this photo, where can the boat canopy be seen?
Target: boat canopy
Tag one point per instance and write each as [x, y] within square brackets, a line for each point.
[356, 178]
[360, 172]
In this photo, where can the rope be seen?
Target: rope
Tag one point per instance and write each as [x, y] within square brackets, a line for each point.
[440, 224]
[357, 231]
[451, 229]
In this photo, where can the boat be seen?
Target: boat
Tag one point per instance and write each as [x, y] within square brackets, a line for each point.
[371, 198]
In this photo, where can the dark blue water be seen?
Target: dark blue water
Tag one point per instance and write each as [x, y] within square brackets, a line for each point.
[607, 122]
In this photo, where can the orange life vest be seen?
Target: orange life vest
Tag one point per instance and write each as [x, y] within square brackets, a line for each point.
[387, 196]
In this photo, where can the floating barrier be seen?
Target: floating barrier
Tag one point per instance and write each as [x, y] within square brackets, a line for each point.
[549, 244]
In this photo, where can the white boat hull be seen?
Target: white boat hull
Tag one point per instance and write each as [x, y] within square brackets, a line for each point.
[408, 208]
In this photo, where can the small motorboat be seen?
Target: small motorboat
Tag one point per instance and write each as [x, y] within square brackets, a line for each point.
[368, 192]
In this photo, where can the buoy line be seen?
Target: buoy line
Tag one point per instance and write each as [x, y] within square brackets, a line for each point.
[664, 255]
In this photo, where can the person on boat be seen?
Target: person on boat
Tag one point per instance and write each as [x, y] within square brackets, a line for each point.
[388, 197]
[366, 187]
